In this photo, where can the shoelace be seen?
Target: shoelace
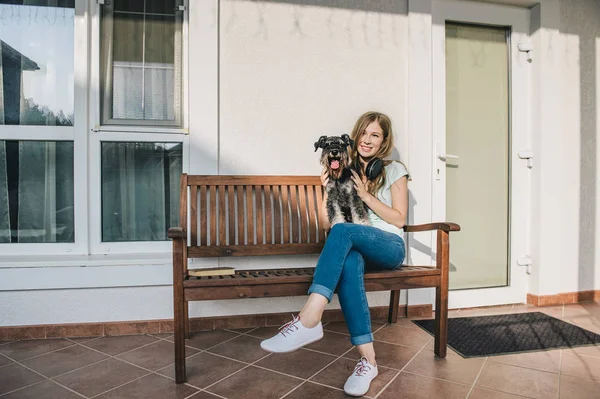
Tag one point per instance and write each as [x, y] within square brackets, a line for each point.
[287, 327]
[361, 367]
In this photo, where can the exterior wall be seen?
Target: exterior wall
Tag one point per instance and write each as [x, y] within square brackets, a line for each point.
[266, 79]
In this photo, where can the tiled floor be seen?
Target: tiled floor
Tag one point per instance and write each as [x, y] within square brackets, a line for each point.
[231, 364]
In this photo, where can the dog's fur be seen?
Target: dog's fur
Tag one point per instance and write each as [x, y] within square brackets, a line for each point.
[343, 203]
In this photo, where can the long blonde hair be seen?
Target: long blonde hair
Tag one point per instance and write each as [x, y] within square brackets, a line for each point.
[386, 146]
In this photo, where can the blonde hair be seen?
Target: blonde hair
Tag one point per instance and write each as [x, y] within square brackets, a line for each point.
[386, 146]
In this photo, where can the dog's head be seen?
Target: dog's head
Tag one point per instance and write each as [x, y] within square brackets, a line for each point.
[335, 156]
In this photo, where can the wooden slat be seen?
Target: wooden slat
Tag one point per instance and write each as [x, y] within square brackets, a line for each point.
[319, 193]
[240, 215]
[259, 215]
[231, 205]
[294, 221]
[203, 214]
[183, 182]
[277, 215]
[194, 214]
[268, 215]
[250, 215]
[286, 214]
[303, 214]
[213, 215]
[219, 180]
[312, 223]
[254, 250]
[222, 211]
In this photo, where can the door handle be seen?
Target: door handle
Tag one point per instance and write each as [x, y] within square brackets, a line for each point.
[445, 157]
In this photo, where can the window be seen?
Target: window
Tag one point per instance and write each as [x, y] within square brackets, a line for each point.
[36, 192]
[36, 62]
[141, 57]
[140, 190]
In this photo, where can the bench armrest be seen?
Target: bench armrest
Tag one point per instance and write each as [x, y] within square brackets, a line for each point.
[177, 232]
[447, 227]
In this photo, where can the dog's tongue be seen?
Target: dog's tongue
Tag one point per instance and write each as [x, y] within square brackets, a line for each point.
[335, 164]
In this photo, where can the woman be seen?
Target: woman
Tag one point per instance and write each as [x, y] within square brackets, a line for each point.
[349, 247]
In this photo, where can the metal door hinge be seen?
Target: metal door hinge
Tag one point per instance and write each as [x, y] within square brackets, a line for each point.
[180, 8]
[528, 155]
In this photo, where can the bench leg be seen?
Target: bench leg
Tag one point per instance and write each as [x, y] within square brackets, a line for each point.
[394, 303]
[441, 295]
[179, 314]
[186, 317]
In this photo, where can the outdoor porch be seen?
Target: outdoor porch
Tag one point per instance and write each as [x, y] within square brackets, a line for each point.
[230, 364]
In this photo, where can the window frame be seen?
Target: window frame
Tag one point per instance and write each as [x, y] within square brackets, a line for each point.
[104, 120]
[76, 133]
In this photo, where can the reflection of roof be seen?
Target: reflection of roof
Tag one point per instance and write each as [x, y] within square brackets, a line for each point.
[26, 63]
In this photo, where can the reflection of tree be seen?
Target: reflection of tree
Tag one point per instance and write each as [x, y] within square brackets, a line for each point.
[34, 114]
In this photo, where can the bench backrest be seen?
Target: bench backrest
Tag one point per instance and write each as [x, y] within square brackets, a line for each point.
[251, 215]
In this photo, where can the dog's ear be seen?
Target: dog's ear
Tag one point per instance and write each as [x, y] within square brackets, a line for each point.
[348, 140]
[320, 143]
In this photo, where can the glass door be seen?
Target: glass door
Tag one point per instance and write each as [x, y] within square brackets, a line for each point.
[480, 125]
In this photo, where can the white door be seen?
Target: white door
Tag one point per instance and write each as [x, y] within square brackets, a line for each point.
[480, 124]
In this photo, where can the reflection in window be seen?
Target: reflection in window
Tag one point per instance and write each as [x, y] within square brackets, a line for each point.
[36, 192]
[141, 43]
[36, 62]
[140, 190]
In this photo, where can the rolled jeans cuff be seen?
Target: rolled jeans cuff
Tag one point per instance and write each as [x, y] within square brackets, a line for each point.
[321, 289]
[362, 339]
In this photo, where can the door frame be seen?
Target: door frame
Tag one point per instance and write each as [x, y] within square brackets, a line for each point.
[518, 19]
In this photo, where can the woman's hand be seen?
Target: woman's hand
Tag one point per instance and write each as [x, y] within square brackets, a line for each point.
[360, 185]
[324, 177]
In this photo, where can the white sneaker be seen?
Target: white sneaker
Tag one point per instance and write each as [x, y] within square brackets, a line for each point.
[292, 336]
[360, 380]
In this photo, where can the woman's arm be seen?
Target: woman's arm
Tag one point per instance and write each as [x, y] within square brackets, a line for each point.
[396, 214]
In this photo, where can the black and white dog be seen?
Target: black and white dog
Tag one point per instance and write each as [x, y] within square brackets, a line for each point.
[343, 203]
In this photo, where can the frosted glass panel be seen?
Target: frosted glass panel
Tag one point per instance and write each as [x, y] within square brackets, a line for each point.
[477, 131]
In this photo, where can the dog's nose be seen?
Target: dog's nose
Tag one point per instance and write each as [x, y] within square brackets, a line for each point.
[334, 152]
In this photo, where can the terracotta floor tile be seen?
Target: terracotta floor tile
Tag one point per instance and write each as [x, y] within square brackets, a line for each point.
[119, 344]
[340, 326]
[264, 332]
[21, 350]
[80, 340]
[207, 339]
[452, 368]
[150, 387]
[100, 377]
[587, 312]
[406, 322]
[333, 343]
[4, 361]
[485, 311]
[16, 376]
[154, 356]
[253, 382]
[591, 350]
[45, 390]
[388, 355]
[244, 348]
[554, 311]
[64, 360]
[542, 360]
[337, 373]
[205, 369]
[204, 395]
[581, 366]
[168, 336]
[579, 388]
[518, 380]
[402, 336]
[310, 390]
[301, 363]
[411, 386]
[480, 393]
[430, 346]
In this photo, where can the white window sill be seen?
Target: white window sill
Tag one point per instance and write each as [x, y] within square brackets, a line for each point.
[37, 261]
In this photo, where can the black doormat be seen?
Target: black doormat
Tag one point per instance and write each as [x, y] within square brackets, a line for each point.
[511, 333]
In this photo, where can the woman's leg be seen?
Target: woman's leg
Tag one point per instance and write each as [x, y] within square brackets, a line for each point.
[383, 248]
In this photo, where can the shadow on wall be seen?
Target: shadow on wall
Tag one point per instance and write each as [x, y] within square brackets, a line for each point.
[581, 19]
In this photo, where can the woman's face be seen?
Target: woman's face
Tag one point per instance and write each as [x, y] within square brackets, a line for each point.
[370, 141]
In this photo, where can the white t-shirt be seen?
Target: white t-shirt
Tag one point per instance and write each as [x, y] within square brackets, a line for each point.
[394, 171]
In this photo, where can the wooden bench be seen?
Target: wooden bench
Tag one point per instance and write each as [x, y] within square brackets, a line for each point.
[274, 215]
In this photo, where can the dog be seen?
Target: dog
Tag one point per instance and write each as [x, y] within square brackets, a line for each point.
[343, 203]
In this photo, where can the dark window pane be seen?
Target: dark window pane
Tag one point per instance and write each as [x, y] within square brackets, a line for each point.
[140, 190]
[160, 39]
[129, 5]
[128, 38]
[36, 192]
[161, 6]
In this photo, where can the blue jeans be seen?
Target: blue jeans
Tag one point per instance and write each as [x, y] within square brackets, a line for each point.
[341, 265]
